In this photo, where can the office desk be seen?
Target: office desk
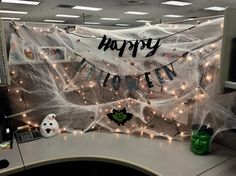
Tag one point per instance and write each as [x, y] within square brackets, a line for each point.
[157, 156]
[14, 158]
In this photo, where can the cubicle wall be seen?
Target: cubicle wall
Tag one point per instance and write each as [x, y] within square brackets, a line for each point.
[228, 53]
[4, 74]
[227, 82]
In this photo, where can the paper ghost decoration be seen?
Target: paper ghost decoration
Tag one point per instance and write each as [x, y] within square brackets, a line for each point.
[49, 126]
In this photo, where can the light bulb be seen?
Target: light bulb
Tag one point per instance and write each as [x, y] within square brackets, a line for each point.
[24, 115]
[217, 56]
[189, 58]
[183, 87]
[117, 130]
[206, 64]
[208, 77]
[202, 95]
[213, 45]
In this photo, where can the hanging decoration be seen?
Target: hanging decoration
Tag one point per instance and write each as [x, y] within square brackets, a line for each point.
[200, 139]
[107, 43]
[49, 126]
[131, 82]
[116, 80]
[160, 91]
[120, 116]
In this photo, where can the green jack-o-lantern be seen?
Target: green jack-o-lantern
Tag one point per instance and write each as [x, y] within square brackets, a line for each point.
[200, 139]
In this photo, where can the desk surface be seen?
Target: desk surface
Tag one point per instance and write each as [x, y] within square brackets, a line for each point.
[158, 156]
[14, 158]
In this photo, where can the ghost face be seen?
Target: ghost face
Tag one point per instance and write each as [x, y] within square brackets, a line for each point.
[49, 126]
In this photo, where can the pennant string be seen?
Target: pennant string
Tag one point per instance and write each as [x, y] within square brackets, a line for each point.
[167, 36]
[82, 66]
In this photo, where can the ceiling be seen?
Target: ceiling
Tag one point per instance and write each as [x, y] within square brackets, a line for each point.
[47, 9]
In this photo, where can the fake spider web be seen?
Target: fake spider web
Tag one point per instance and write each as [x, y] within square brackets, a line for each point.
[42, 83]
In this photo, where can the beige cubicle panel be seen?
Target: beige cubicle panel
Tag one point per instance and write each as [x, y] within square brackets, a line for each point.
[229, 33]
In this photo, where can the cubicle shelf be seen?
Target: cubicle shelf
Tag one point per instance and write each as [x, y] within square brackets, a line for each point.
[230, 85]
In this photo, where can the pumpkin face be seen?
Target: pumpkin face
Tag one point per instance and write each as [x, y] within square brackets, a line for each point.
[49, 126]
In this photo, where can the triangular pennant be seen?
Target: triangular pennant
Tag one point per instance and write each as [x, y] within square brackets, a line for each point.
[170, 72]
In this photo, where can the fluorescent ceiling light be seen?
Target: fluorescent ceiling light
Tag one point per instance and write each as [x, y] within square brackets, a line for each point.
[87, 8]
[173, 16]
[111, 19]
[136, 13]
[21, 2]
[12, 11]
[56, 21]
[177, 3]
[215, 8]
[9, 18]
[122, 24]
[67, 16]
[87, 22]
[144, 21]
